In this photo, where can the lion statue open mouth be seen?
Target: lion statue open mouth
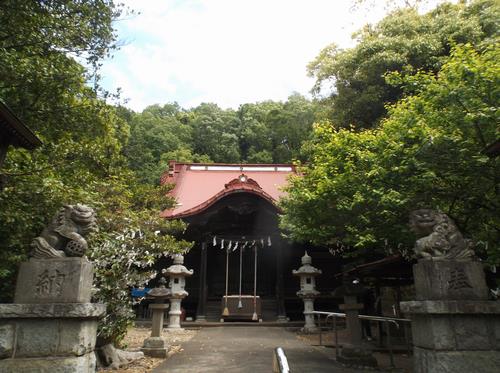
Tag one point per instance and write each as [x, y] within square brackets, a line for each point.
[64, 236]
[439, 237]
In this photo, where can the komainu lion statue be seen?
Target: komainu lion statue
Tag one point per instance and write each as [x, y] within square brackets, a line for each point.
[439, 237]
[64, 236]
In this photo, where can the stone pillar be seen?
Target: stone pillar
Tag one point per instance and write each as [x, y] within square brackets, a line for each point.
[202, 297]
[177, 274]
[454, 326]
[351, 308]
[52, 325]
[308, 292]
[280, 291]
[156, 345]
[354, 352]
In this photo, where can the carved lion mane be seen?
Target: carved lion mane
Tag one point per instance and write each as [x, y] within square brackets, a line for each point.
[439, 237]
[64, 236]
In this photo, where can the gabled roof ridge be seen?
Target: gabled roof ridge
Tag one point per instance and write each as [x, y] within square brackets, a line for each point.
[233, 164]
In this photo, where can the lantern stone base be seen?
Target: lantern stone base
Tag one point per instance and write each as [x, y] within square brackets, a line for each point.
[174, 315]
[357, 357]
[155, 347]
[310, 325]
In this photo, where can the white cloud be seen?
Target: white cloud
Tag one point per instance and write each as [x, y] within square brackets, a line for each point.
[225, 51]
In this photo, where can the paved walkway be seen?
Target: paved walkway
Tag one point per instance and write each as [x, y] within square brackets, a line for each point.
[248, 350]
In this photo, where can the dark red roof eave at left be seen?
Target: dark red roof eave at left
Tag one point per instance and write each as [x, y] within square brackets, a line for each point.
[12, 125]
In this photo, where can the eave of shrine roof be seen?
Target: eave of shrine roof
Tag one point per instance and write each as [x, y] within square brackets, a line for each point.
[200, 185]
[12, 127]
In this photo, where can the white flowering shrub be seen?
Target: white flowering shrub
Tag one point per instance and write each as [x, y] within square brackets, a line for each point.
[124, 252]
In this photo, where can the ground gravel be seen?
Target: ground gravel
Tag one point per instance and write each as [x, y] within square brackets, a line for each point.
[134, 340]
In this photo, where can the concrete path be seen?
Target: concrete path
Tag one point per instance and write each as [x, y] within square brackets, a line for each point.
[247, 350]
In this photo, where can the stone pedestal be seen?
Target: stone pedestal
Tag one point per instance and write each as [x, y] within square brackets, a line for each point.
[455, 328]
[354, 353]
[174, 315]
[52, 327]
[309, 325]
[155, 345]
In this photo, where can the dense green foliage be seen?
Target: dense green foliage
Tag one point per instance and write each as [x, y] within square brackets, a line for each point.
[266, 132]
[361, 185]
[81, 159]
[351, 81]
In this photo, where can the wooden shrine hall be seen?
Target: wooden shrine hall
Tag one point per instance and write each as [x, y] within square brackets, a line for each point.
[242, 264]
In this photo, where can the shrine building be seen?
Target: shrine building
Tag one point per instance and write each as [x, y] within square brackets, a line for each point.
[242, 263]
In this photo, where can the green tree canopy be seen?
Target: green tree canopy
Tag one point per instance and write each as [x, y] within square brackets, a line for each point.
[361, 185]
[263, 132]
[351, 81]
[155, 131]
[81, 159]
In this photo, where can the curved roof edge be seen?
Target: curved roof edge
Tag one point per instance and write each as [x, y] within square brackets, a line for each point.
[233, 187]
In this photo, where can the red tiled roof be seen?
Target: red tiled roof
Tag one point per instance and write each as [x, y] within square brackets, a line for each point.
[199, 185]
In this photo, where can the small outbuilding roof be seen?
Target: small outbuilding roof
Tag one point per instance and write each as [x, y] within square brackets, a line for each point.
[200, 185]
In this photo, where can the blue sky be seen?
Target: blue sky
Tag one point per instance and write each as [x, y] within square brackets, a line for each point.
[225, 51]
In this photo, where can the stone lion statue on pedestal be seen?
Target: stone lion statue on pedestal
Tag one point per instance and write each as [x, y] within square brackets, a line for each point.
[438, 236]
[64, 236]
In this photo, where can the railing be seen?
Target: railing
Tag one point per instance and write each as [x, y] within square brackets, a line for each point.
[280, 362]
[398, 322]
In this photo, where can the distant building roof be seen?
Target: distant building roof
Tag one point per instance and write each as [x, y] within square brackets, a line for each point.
[14, 132]
[200, 185]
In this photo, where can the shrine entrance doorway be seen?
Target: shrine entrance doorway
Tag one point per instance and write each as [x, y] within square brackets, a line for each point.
[238, 254]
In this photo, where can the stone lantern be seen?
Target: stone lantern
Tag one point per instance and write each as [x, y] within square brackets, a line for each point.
[308, 292]
[177, 274]
[155, 345]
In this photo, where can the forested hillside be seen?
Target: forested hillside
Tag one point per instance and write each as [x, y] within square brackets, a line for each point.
[265, 132]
